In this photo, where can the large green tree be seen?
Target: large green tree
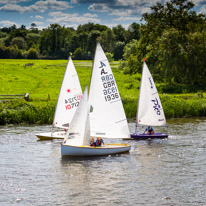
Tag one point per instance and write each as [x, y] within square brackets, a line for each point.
[54, 41]
[167, 42]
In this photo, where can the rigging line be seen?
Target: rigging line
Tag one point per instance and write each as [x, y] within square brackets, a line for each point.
[155, 93]
[121, 120]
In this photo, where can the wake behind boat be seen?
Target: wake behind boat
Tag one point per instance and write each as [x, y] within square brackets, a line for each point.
[100, 116]
[68, 100]
[150, 111]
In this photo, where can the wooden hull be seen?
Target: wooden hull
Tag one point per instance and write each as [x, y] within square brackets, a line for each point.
[109, 149]
[136, 136]
[51, 135]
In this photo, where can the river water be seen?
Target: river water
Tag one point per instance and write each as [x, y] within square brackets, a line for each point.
[157, 172]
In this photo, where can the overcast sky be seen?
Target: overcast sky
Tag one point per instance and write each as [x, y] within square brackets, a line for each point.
[72, 13]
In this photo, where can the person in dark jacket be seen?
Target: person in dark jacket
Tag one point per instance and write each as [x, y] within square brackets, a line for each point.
[92, 143]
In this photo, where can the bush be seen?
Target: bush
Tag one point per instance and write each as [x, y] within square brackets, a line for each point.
[2, 52]
[78, 54]
[32, 54]
[109, 56]
[19, 111]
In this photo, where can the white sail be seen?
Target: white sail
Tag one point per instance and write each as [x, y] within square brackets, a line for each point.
[69, 97]
[150, 111]
[107, 116]
[77, 131]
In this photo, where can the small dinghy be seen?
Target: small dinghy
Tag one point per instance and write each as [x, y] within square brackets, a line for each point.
[149, 111]
[68, 100]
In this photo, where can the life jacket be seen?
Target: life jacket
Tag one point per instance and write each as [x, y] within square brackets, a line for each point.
[100, 142]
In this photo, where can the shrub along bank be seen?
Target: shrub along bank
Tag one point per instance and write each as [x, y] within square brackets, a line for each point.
[19, 111]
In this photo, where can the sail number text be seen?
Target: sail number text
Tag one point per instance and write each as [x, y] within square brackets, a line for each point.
[156, 106]
[109, 85]
[72, 102]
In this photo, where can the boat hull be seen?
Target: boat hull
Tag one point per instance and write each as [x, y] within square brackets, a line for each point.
[51, 135]
[137, 136]
[109, 149]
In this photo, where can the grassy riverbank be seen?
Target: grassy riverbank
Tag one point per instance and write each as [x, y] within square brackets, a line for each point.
[42, 80]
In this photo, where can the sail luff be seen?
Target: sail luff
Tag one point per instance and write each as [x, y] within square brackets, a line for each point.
[139, 99]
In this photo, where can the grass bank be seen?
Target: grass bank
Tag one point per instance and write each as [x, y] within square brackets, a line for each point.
[42, 80]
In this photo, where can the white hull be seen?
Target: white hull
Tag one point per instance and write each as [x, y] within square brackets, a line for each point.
[51, 135]
[109, 149]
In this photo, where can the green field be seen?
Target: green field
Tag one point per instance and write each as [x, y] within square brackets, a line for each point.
[42, 80]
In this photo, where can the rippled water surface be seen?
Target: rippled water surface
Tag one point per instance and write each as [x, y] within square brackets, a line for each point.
[157, 172]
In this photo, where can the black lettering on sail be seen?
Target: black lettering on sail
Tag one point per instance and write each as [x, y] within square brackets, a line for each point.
[103, 72]
[102, 64]
[156, 106]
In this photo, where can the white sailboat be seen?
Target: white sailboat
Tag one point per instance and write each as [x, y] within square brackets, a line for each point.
[69, 97]
[149, 111]
[105, 115]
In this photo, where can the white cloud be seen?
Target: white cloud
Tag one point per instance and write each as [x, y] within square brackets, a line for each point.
[199, 2]
[13, 1]
[39, 6]
[65, 18]
[38, 17]
[99, 8]
[12, 7]
[89, 15]
[202, 10]
[132, 9]
[38, 23]
[108, 5]
[114, 25]
[7, 24]
[124, 18]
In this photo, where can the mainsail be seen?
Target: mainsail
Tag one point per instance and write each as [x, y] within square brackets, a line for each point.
[69, 97]
[150, 110]
[107, 116]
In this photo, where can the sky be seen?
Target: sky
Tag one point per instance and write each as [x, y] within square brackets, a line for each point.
[72, 13]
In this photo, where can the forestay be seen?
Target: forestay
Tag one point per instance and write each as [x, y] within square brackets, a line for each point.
[150, 110]
[69, 97]
[107, 116]
[78, 134]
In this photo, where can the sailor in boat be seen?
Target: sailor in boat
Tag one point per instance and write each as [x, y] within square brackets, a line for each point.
[92, 143]
[99, 141]
[149, 130]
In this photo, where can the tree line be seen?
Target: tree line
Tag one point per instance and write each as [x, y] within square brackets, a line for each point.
[57, 42]
[172, 38]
